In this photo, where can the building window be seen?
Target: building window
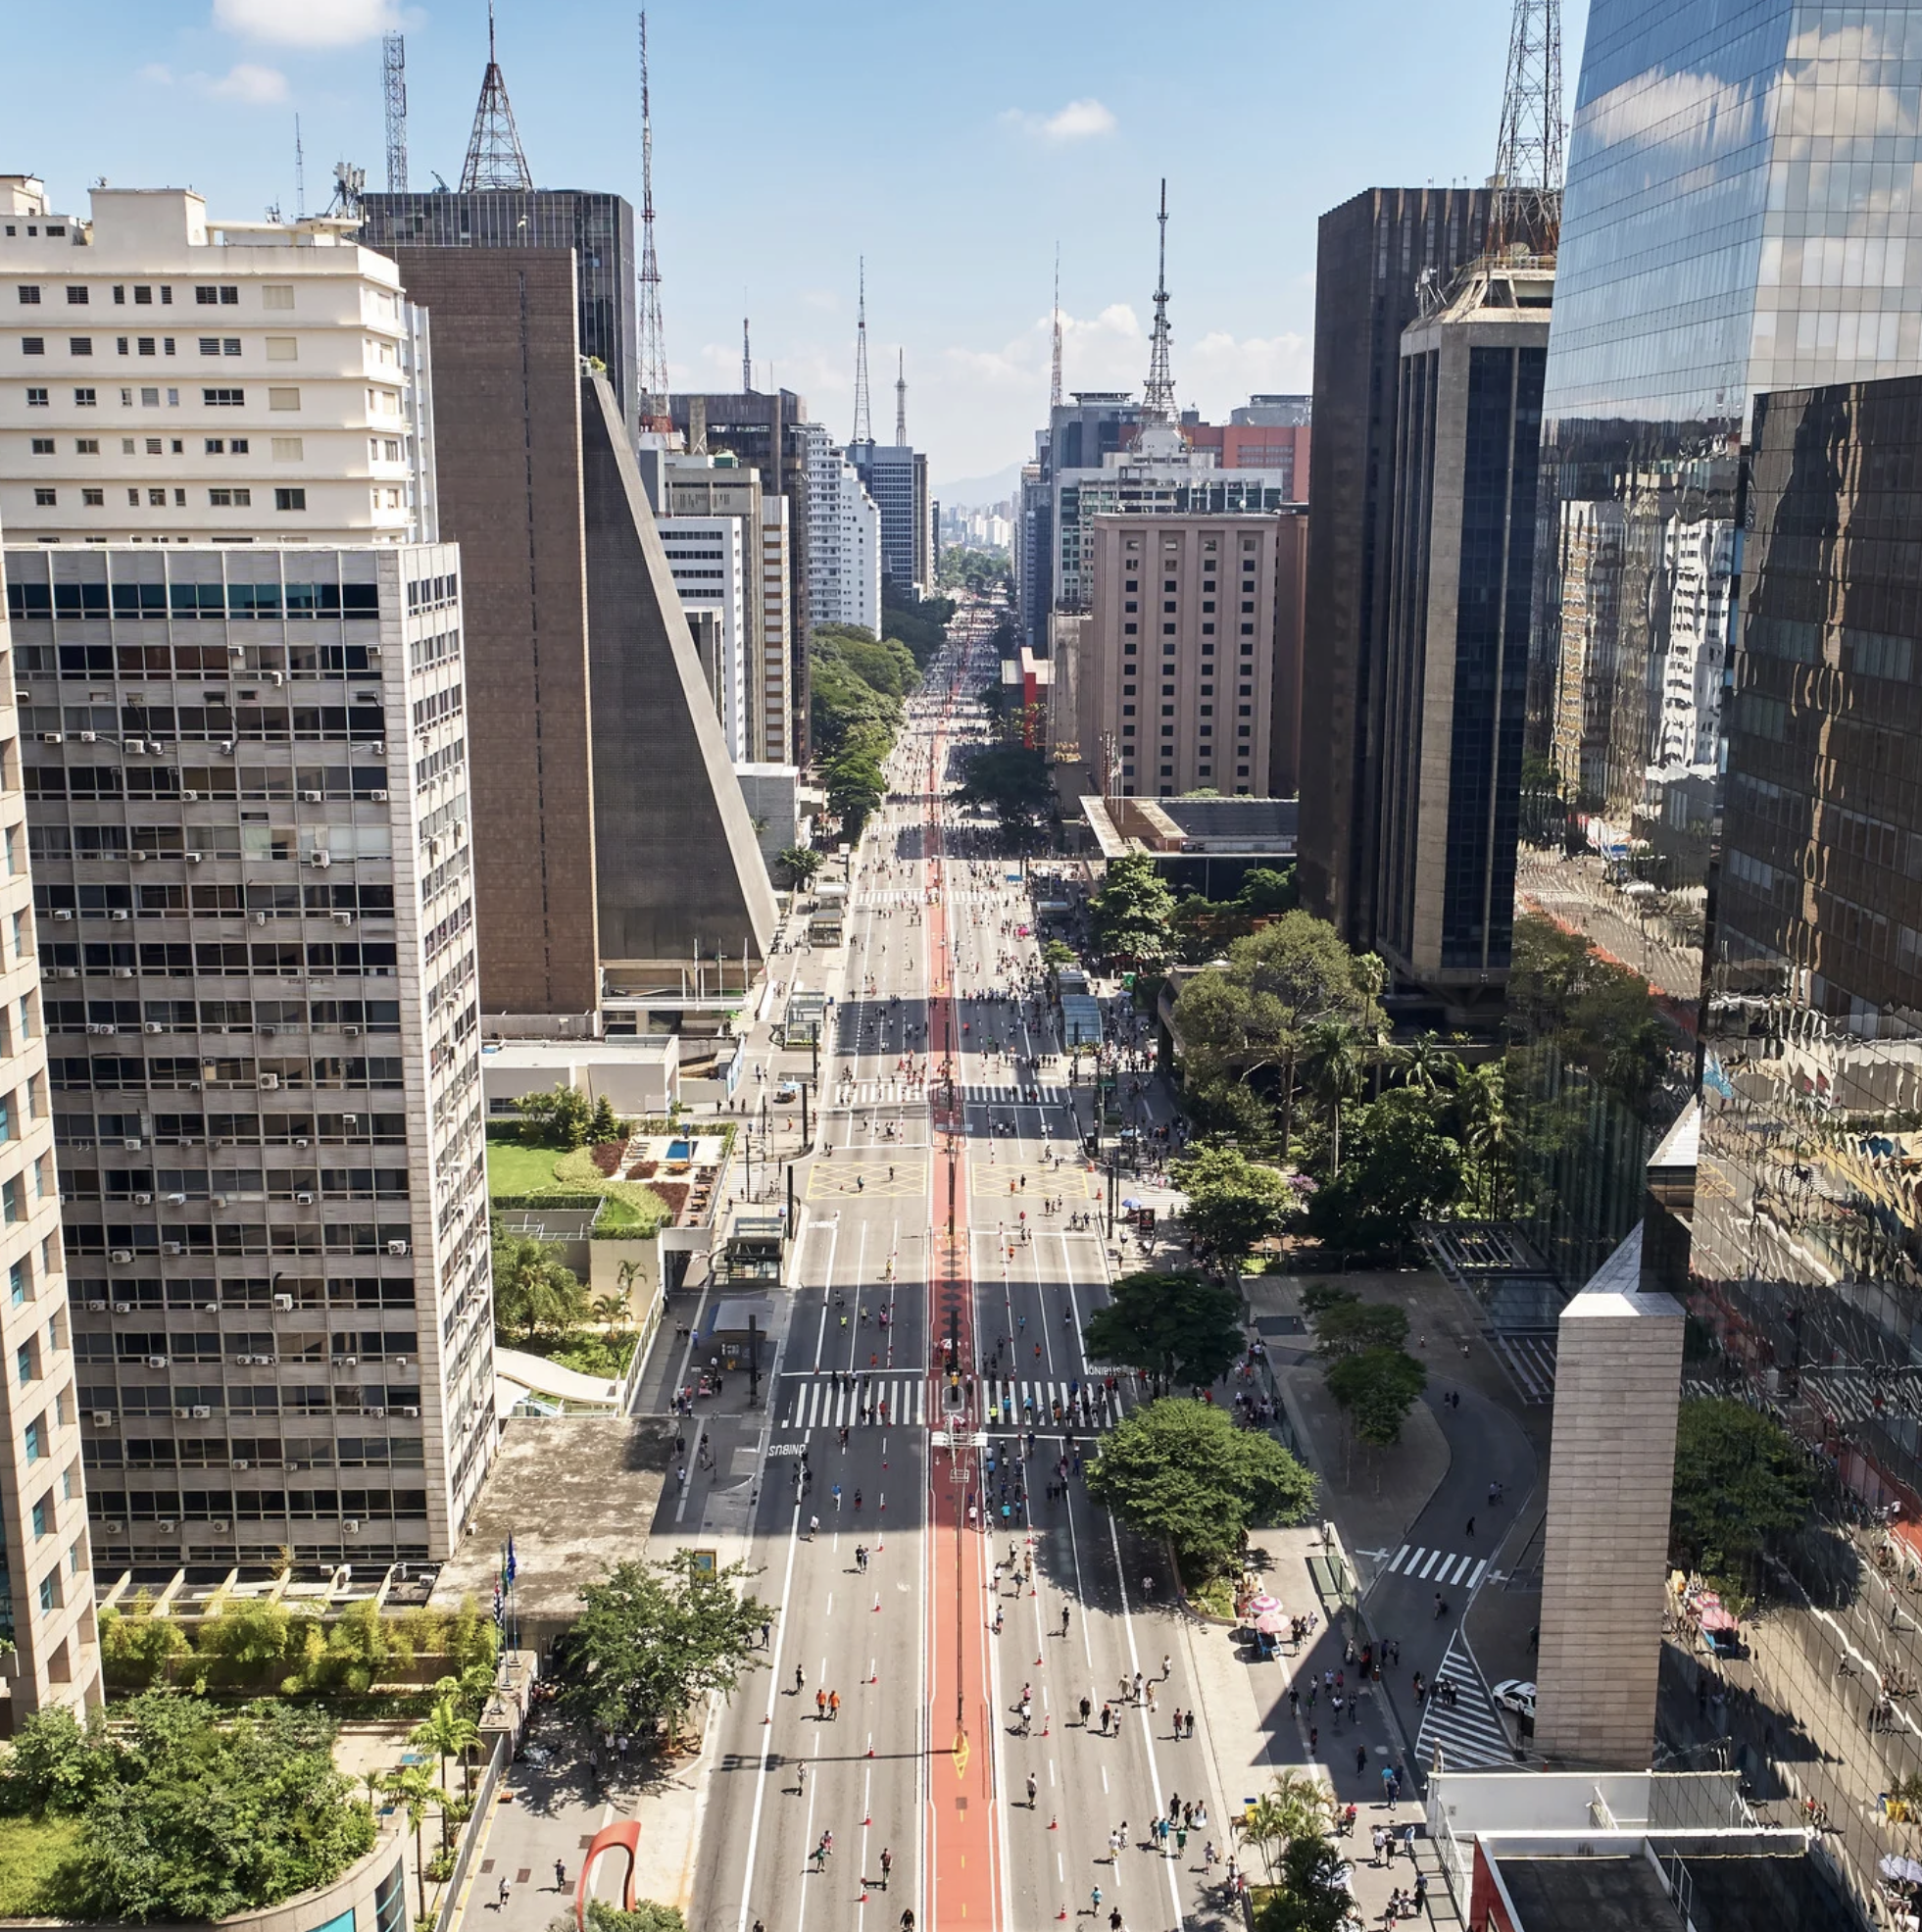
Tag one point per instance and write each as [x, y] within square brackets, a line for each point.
[50, 1590]
[134, 497]
[43, 1516]
[86, 398]
[287, 449]
[42, 445]
[283, 399]
[277, 295]
[179, 499]
[157, 499]
[77, 295]
[17, 1284]
[86, 446]
[284, 348]
[221, 294]
[237, 446]
[93, 499]
[37, 399]
[29, 292]
[225, 398]
[44, 499]
[35, 1441]
[79, 345]
[294, 499]
[230, 499]
[215, 446]
[34, 345]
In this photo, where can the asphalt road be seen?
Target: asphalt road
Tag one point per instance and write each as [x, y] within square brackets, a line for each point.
[928, 1757]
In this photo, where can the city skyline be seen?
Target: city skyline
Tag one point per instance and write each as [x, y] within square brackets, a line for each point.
[1068, 114]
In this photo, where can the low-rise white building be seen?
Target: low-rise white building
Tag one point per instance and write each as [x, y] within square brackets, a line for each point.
[844, 538]
[715, 576]
[170, 376]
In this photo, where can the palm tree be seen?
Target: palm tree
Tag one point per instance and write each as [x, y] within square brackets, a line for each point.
[1481, 1098]
[448, 1731]
[1304, 1804]
[611, 1309]
[412, 1785]
[1425, 1064]
[1334, 1061]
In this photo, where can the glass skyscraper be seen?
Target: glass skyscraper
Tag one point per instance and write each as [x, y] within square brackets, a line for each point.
[1741, 214]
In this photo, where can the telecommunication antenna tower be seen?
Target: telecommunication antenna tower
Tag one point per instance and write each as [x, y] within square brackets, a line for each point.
[1528, 159]
[300, 175]
[901, 399]
[393, 90]
[747, 361]
[655, 411]
[494, 156]
[1157, 405]
[1054, 371]
[864, 428]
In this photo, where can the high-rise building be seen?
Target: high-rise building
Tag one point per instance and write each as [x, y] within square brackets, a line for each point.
[844, 538]
[1799, 272]
[46, 1563]
[598, 227]
[247, 784]
[1374, 253]
[184, 377]
[611, 841]
[768, 433]
[1454, 667]
[1177, 665]
[714, 566]
[895, 478]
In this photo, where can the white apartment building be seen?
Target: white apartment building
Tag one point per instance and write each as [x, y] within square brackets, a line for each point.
[46, 1567]
[844, 538]
[246, 787]
[776, 742]
[166, 376]
[715, 576]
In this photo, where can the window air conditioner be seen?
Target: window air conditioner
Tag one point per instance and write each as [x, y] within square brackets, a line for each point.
[276, 677]
[397, 1248]
[227, 747]
[343, 918]
[310, 798]
[122, 973]
[352, 1526]
[351, 1032]
[122, 1256]
[138, 858]
[180, 1415]
[176, 1199]
[190, 798]
[192, 858]
[119, 913]
[220, 1526]
[89, 737]
[268, 1082]
[143, 1200]
[414, 1412]
[52, 738]
[62, 912]
[98, 1308]
[171, 1247]
[132, 1146]
[259, 918]
[153, 1026]
[322, 858]
[136, 745]
[66, 972]
[115, 1529]
[155, 1361]
[378, 1414]
[378, 796]
[168, 1527]
[304, 1200]
[103, 1419]
[284, 1302]
[201, 1412]
[123, 1307]
[239, 1463]
[346, 1361]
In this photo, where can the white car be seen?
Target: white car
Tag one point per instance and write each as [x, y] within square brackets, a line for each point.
[1513, 1694]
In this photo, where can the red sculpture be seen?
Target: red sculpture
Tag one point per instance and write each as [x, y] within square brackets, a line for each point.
[624, 1836]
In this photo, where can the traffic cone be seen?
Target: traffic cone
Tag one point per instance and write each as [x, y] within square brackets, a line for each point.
[1054, 1823]
[870, 1751]
[1062, 1914]
[1037, 1661]
[1046, 1719]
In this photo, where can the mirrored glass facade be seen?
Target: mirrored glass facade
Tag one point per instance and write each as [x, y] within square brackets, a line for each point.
[1741, 214]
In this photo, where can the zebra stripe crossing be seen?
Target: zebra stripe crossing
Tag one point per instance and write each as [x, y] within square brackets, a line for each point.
[880, 1093]
[992, 1096]
[813, 1401]
[1469, 1732]
[1011, 1406]
[1443, 1566]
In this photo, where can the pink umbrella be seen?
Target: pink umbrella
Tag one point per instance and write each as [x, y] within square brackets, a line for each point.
[1263, 1604]
[1269, 1623]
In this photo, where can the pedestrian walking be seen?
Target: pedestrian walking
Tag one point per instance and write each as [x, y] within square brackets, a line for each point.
[559, 1875]
[1361, 1759]
[1167, 1667]
[1177, 1721]
[766, 1635]
[1374, 1839]
[501, 1896]
[887, 1866]
[833, 1706]
[1087, 1707]
[820, 1706]
[1064, 1617]
[1033, 1789]
[1471, 1528]
[1314, 1739]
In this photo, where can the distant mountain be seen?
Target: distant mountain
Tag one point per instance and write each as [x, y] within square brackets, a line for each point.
[977, 492]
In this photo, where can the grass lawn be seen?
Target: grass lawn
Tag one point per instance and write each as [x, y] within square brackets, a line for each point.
[32, 1852]
[513, 1168]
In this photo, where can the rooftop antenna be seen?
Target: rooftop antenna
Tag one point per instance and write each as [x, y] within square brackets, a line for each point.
[747, 361]
[864, 428]
[1157, 403]
[494, 156]
[300, 175]
[393, 90]
[1054, 373]
[655, 411]
[348, 186]
[1528, 159]
[901, 399]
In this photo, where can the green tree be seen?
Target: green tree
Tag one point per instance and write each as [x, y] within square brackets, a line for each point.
[611, 1310]
[1182, 1325]
[654, 1636]
[137, 1649]
[1335, 1064]
[1741, 1484]
[1376, 1388]
[1130, 915]
[854, 785]
[1253, 1018]
[1057, 954]
[1403, 1169]
[1263, 1824]
[1599, 1015]
[1308, 1895]
[801, 863]
[533, 1288]
[1482, 1114]
[1306, 1806]
[55, 1763]
[1425, 1064]
[1230, 1107]
[448, 1732]
[417, 1791]
[1348, 1325]
[1204, 928]
[558, 1118]
[1184, 1471]
[604, 1124]
[1267, 893]
[1234, 1204]
[1010, 782]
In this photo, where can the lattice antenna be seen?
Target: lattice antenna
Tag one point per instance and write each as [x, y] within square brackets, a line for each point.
[1157, 405]
[864, 428]
[300, 175]
[1528, 159]
[494, 156]
[655, 411]
[747, 361]
[393, 89]
[901, 399]
[1054, 371]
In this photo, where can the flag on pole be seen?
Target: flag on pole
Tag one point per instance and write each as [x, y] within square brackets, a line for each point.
[512, 1565]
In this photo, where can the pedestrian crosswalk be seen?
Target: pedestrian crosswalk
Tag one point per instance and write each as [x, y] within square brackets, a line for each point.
[1019, 1403]
[816, 1402]
[1469, 1732]
[1531, 1360]
[1437, 1566]
[880, 1093]
[997, 1095]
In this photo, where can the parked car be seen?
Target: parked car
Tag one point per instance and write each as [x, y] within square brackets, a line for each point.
[788, 1090]
[1513, 1694]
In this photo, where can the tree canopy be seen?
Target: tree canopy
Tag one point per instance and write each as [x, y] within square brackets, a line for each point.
[1307, 1894]
[1344, 1324]
[1739, 1485]
[1129, 916]
[189, 1812]
[534, 1290]
[1377, 1387]
[1010, 782]
[1184, 1471]
[1234, 1204]
[1601, 1016]
[1401, 1168]
[653, 1637]
[1181, 1325]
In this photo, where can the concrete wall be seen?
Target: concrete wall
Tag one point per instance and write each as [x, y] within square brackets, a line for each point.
[507, 407]
[1611, 1468]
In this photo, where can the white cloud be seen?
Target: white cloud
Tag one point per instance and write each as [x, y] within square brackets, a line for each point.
[306, 23]
[1079, 121]
[256, 86]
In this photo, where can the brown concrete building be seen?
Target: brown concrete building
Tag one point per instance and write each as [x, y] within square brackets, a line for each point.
[1190, 662]
[607, 825]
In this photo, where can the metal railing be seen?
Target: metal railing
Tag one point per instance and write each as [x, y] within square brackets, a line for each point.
[474, 1831]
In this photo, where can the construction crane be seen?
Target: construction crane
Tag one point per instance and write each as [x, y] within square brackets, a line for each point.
[656, 414]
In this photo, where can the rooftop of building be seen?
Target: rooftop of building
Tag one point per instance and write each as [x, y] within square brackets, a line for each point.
[576, 1494]
[1250, 825]
[542, 1054]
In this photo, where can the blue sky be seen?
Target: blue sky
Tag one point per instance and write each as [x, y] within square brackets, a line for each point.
[953, 147]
